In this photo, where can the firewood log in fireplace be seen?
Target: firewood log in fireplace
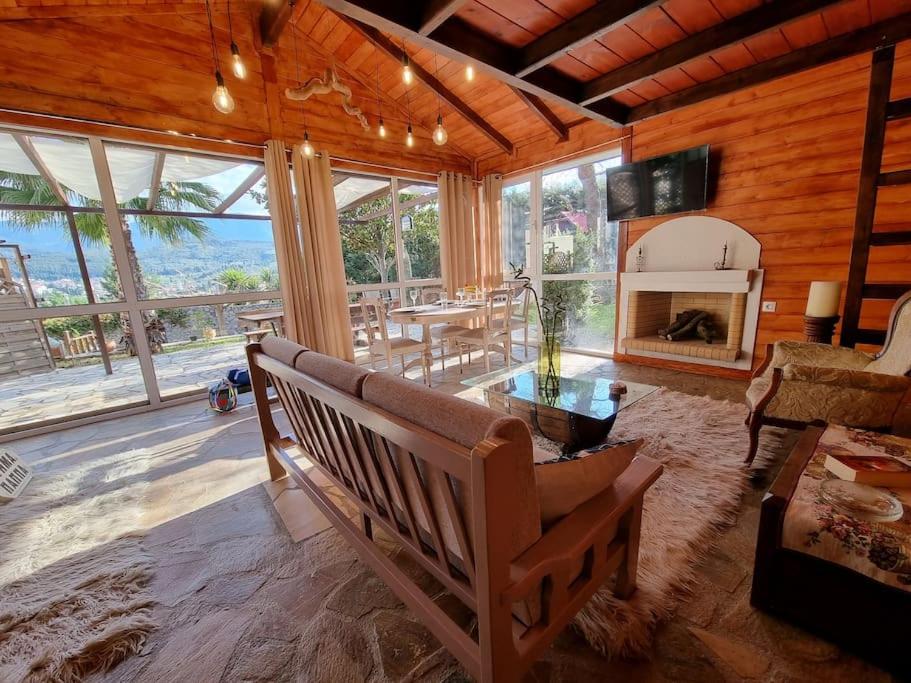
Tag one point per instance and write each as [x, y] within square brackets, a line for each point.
[691, 323]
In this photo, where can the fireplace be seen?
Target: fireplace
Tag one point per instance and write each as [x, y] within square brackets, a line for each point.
[647, 312]
[651, 299]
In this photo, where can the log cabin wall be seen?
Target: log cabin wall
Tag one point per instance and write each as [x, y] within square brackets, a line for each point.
[154, 71]
[788, 158]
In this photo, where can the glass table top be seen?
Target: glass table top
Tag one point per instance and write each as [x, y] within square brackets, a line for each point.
[580, 395]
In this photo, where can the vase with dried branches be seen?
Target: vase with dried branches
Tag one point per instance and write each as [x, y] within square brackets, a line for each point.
[551, 319]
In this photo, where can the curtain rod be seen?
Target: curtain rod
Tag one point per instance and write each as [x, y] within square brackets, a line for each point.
[193, 136]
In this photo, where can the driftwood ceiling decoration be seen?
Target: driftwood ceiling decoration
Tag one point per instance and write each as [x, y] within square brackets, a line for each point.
[325, 85]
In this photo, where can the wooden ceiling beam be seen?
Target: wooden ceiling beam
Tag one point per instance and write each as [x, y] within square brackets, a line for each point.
[273, 19]
[395, 52]
[25, 144]
[763, 18]
[545, 113]
[457, 40]
[582, 28]
[435, 12]
[887, 32]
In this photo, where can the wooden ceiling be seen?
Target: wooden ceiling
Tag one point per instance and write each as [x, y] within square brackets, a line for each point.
[543, 66]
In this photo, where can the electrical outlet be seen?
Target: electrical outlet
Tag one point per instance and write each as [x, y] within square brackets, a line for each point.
[769, 306]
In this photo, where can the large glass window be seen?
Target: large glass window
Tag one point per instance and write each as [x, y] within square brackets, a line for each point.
[188, 228]
[555, 226]
[390, 243]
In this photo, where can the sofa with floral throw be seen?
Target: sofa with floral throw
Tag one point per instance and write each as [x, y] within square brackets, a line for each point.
[802, 382]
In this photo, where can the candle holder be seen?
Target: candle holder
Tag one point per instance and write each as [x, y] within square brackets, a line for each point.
[820, 329]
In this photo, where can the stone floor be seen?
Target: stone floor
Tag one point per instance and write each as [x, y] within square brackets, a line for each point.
[64, 392]
[239, 600]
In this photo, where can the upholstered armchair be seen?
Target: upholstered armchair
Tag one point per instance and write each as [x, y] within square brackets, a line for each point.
[799, 382]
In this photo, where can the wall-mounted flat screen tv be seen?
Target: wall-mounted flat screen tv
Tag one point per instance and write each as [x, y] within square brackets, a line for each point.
[669, 184]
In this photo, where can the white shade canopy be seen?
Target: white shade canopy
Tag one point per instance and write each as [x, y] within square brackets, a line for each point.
[69, 161]
[354, 188]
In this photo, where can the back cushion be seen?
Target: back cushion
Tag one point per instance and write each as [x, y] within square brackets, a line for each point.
[339, 374]
[281, 349]
[467, 424]
[896, 358]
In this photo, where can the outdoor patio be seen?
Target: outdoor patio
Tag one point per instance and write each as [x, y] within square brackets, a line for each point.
[83, 389]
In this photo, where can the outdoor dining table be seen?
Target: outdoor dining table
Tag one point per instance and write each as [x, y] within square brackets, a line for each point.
[436, 314]
[264, 320]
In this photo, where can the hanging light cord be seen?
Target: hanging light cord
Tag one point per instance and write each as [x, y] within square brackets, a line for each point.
[212, 36]
[436, 74]
[297, 63]
[379, 105]
[230, 26]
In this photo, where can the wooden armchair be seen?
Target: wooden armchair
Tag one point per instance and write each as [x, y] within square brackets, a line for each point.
[799, 382]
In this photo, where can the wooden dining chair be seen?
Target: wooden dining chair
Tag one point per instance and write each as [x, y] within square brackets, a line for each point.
[496, 332]
[379, 343]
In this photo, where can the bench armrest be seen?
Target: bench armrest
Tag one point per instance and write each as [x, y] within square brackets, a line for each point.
[848, 379]
[559, 550]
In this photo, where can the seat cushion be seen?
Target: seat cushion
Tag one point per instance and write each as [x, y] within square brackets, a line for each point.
[405, 343]
[339, 374]
[281, 349]
[564, 483]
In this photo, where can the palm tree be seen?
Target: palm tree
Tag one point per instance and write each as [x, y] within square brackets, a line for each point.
[25, 189]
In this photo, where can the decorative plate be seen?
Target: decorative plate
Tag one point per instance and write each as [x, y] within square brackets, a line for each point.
[861, 501]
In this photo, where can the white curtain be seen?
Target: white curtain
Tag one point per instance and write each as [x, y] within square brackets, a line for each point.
[288, 249]
[490, 216]
[327, 326]
[457, 234]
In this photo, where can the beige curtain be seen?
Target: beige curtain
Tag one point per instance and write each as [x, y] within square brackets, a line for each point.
[491, 249]
[288, 251]
[326, 327]
[457, 234]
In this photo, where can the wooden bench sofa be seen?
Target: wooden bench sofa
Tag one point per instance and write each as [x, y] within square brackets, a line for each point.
[454, 484]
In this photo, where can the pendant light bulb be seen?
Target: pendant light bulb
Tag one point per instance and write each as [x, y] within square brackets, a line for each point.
[409, 139]
[440, 136]
[237, 64]
[407, 73]
[221, 98]
[307, 148]
[382, 129]
[469, 73]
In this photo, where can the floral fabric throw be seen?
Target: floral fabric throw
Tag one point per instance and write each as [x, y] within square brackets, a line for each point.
[815, 526]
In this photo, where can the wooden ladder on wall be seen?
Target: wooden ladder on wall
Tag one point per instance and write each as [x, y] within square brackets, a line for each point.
[880, 111]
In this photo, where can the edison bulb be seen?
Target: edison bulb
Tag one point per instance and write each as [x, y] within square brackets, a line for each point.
[382, 129]
[409, 139]
[439, 133]
[407, 74]
[469, 72]
[221, 98]
[307, 148]
[237, 64]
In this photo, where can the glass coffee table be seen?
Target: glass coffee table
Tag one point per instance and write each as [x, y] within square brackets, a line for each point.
[579, 414]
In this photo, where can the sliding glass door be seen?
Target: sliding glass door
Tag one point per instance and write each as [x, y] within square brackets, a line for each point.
[555, 227]
[125, 274]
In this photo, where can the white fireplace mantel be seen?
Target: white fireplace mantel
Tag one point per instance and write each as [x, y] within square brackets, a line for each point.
[733, 281]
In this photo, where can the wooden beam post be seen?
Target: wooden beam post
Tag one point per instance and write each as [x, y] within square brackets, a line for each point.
[871, 162]
[274, 17]
[435, 12]
[395, 52]
[545, 113]
[714, 38]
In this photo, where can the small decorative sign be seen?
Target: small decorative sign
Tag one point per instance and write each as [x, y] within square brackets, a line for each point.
[14, 476]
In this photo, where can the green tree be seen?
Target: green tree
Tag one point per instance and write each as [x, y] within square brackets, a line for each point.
[368, 241]
[237, 280]
[21, 188]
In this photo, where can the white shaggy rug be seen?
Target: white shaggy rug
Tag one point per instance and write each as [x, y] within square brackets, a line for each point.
[702, 443]
[73, 573]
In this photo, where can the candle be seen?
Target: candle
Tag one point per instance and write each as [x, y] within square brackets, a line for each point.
[824, 299]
